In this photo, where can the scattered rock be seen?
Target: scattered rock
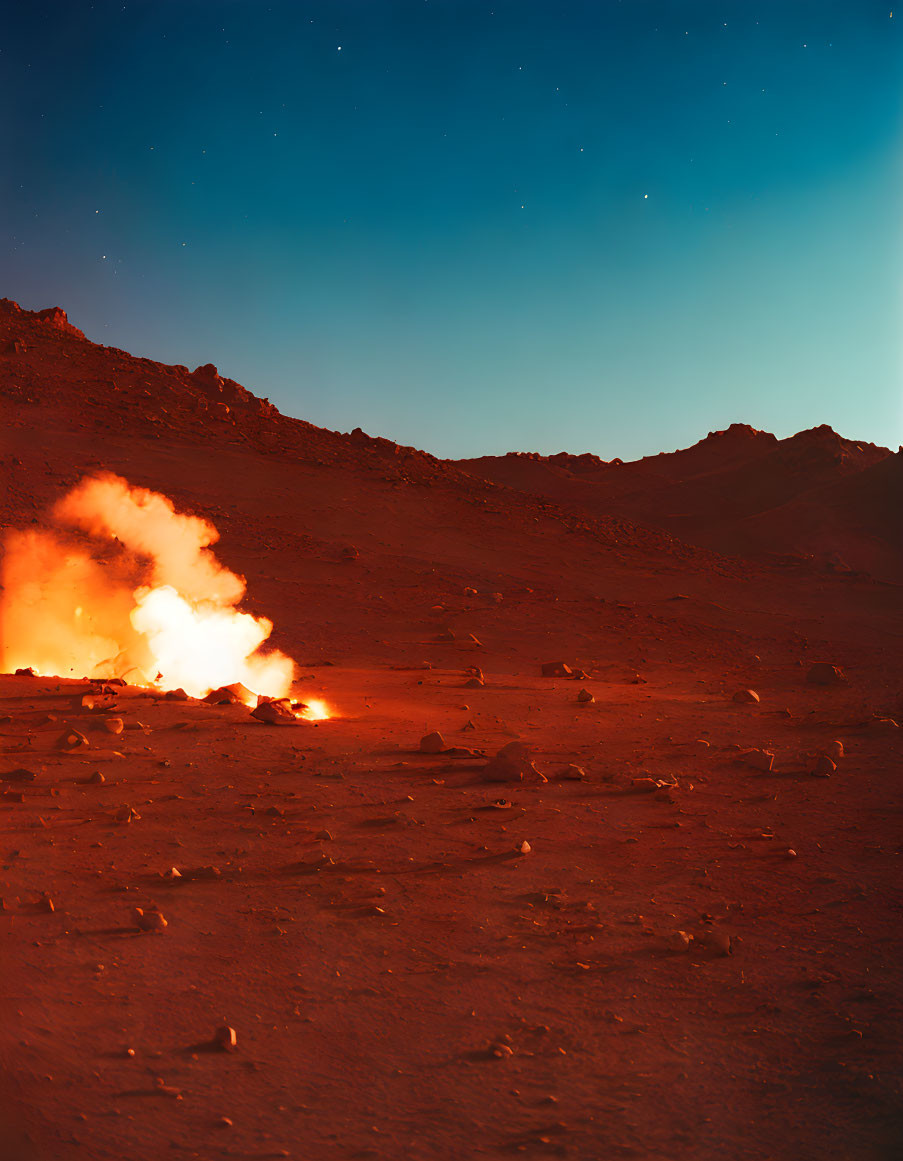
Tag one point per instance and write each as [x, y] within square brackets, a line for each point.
[884, 724]
[822, 673]
[746, 697]
[496, 598]
[524, 848]
[469, 592]
[447, 635]
[678, 941]
[718, 941]
[225, 695]
[823, 767]
[834, 750]
[97, 778]
[46, 904]
[432, 743]
[474, 683]
[72, 740]
[556, 669]
[175, 695]
[20, 774]
[125, 815]
[325, 836]
[225, 1039]
[276, 712]
[585, 697]
[113, 725]
[511, 764]
[759, 759]
[645, 785]
[150, 920]
[29, 672]
[572, 773]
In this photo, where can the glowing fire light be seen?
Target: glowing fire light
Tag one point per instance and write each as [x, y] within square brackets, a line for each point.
[316, 711]
[135, 593]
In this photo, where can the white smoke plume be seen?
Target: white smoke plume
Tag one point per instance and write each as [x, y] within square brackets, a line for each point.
[123, 585]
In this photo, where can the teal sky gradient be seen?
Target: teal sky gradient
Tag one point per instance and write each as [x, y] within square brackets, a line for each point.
[476, 227]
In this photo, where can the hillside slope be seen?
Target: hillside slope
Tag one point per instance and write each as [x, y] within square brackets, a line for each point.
[738, 491]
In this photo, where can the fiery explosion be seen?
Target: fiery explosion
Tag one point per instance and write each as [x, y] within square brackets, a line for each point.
[125, 586]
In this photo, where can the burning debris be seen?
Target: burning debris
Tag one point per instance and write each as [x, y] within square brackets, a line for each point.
[124, 586]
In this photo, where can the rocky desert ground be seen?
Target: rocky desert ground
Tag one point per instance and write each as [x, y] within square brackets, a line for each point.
[664, 923]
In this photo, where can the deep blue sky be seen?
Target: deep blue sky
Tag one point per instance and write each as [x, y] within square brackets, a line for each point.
[474, 227]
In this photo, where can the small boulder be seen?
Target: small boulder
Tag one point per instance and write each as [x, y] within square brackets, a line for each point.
[432, 743]
[585, 697]
[225, 1039]
[678, 941]
[822, 673]
[113, 725]
[277, 712]
[150, 920]
[225, 695]
[72, 740]
[746, 697]
[718, 942]
[511, 764]
[572, 773]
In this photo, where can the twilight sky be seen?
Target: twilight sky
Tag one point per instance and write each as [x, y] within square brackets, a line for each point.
[471, 226]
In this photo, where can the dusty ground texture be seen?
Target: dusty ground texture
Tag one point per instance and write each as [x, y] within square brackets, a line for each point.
[403, 980]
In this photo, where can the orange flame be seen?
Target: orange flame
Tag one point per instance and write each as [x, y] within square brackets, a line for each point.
[138, 595]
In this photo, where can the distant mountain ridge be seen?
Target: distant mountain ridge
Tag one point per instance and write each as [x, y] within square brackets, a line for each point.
[814, 498]
[740, 491]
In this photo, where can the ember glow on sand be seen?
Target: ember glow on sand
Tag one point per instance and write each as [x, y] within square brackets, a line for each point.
[120, 584]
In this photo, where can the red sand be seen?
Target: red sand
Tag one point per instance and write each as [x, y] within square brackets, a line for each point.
[376, 997]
